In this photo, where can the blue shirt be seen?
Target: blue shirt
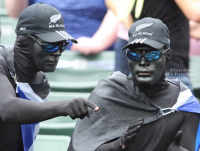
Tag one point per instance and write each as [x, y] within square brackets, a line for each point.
[81, 17]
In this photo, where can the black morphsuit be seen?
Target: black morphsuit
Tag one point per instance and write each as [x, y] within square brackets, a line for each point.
[25, 70]
[30, 62]
[158, 135]
[107, 130]
[38, 46]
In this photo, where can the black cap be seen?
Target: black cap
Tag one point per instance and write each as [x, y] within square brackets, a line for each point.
[44, 21]
[150, 31]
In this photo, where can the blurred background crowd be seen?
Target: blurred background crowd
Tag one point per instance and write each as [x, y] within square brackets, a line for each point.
[101, 29]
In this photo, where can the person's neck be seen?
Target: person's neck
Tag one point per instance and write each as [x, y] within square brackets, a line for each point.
[27, 76]
[152, 90]
[26, 70]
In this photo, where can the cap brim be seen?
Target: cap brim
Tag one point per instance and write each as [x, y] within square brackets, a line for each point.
[149, 42]
[56, 36]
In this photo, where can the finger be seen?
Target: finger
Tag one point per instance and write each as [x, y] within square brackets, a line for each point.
[71, 114]
[82, 117]
[132, 131]
[75, 108]
[135, 124]
[178, 137]
[89, 113]
[82, 106]
[91, 105]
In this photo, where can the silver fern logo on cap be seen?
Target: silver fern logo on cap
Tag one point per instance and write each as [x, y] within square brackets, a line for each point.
[55, 18]
[139, 27]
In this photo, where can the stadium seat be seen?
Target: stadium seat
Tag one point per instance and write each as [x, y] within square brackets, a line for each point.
[59, 96]
[8, 35]
[51, 143]
[60, 125]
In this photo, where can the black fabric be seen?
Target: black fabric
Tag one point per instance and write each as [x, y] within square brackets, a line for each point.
[23, 60]
[153, 90]
[178, 25]
[41, 89]
[120, 103]
[149, 31]
[9, 133]
[39, 18]
[20, 60]
[158, 135]
[11, 138]
[44, 21]
[117, 97]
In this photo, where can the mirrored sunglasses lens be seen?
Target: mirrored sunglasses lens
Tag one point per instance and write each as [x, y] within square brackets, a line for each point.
[50, 47]
[133, 56]
[153, 55]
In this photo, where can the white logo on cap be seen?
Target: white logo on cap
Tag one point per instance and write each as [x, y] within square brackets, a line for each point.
[142, 26]
[139, 27]
[55, 18]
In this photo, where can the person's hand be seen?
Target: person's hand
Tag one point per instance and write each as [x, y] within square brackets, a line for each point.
[175, 146]
[86, 46]
[78, 108]
[128, 135]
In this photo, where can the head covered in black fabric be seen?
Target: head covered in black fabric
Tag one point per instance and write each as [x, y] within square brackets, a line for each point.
[30, 57]
[23, 55]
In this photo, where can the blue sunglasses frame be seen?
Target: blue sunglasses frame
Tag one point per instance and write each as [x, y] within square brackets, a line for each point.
[149, 56]
[50, 47]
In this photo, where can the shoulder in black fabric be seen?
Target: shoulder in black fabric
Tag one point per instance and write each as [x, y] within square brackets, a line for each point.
[120, 102]
[3, 53]
[7, 54]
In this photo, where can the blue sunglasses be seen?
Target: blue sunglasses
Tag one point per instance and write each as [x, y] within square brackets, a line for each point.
[149, 56]
[50, 47]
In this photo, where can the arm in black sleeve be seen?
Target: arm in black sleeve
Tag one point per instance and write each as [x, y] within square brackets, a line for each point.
[20, 111]
[189, 130]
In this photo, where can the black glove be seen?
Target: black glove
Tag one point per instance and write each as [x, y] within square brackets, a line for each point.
[122, 142]
[130, 133]
[78, 108]
[175, 146]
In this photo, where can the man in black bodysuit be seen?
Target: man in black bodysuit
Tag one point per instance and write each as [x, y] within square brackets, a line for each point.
[145, 112]
[41, 39]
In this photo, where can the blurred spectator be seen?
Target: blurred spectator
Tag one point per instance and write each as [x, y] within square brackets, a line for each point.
[86, 17]
[194, 29]
[194, 38]
[176, 15]
[194, 47]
